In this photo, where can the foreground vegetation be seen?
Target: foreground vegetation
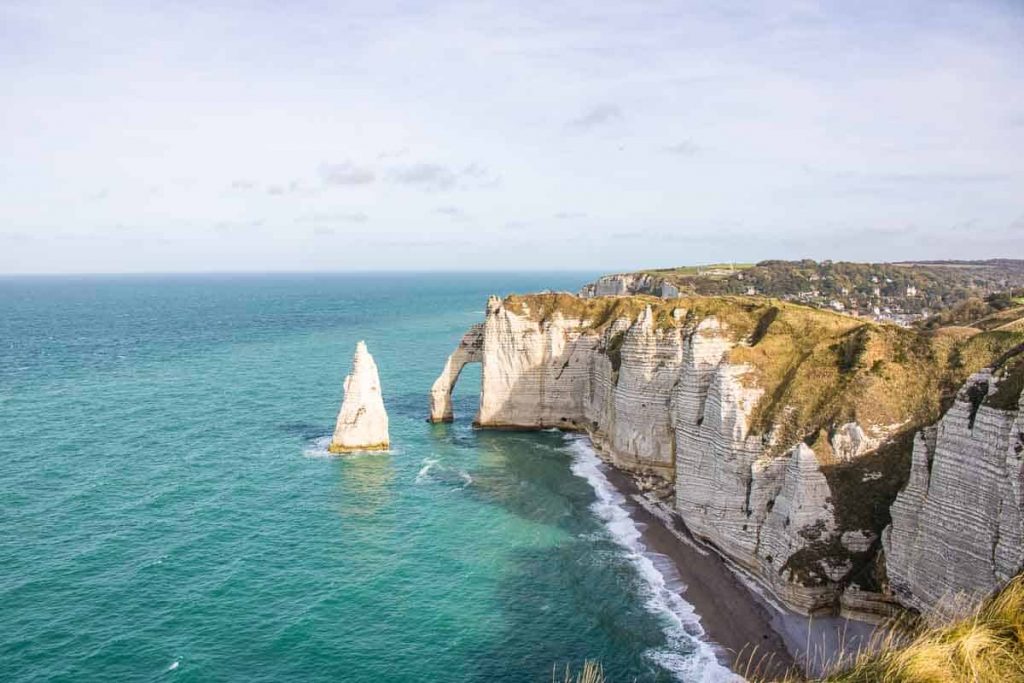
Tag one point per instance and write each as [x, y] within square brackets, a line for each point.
[986, 645]
[983, 645]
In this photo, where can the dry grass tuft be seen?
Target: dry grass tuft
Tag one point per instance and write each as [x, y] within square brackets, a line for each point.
[591, 672]
[984, 646]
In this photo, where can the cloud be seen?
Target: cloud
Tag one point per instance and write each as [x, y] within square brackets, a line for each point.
[911, 178]
[600, 115]
[334, 217]
[393, 154]
[293, 187]
[438, 177]
[452, 212]
[346, 173]
[686, 148]
[229, 227]
[427, 176]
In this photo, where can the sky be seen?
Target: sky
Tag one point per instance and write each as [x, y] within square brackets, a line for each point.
[582, 135]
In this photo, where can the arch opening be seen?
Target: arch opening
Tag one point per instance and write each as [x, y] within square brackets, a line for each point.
[469, 350]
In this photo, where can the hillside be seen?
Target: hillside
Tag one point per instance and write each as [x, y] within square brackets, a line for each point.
[902, 292]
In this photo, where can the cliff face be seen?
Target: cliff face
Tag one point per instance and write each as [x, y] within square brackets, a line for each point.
[362, 421]
[958, 527]
[785, 432]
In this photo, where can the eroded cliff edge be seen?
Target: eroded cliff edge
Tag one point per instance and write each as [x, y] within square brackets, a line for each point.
[779, 434]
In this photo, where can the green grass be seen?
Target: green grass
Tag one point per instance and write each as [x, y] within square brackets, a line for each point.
[691, 271]
[1010, 377]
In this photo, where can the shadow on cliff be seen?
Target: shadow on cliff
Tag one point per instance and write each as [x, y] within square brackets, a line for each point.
[863, 491]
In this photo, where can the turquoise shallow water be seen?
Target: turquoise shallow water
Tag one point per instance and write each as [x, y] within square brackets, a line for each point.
[167, 510]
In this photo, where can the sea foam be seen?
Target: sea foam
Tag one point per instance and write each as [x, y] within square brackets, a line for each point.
[685, 654]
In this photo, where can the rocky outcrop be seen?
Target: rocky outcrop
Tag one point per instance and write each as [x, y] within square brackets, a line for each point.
[469, 350]
[362, 421]
[958, 526]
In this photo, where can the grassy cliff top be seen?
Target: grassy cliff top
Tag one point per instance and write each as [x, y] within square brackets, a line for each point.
[741, 314]
[818, 369]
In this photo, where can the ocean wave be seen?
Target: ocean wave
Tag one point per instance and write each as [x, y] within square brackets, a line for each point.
[428, 464]
[685, 654]
[444, 474]
[318, 448]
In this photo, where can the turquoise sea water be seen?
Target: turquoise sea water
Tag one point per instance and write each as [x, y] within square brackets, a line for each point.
[167, 510]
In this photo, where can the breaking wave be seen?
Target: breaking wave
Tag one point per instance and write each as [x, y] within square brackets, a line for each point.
[432, 469]
[685, 654]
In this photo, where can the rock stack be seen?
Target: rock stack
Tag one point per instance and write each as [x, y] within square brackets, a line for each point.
[362, 422]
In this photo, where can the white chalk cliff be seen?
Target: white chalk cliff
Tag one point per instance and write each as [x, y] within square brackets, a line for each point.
[663, 401]
[958, 526]
[666, 399]
[362, 421]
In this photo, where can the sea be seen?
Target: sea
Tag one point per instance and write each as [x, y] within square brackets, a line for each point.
[169, 511]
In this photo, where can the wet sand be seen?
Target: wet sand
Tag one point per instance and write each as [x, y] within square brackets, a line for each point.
[751, 635]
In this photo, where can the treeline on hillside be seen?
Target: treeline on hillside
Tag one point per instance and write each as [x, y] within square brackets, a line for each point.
[912, 287]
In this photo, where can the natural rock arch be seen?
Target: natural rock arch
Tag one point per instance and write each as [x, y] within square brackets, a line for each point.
[469, 350]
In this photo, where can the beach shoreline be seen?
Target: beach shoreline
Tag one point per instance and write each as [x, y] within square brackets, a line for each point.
[750, 633]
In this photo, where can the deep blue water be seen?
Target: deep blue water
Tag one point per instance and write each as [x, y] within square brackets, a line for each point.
[167, 510]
